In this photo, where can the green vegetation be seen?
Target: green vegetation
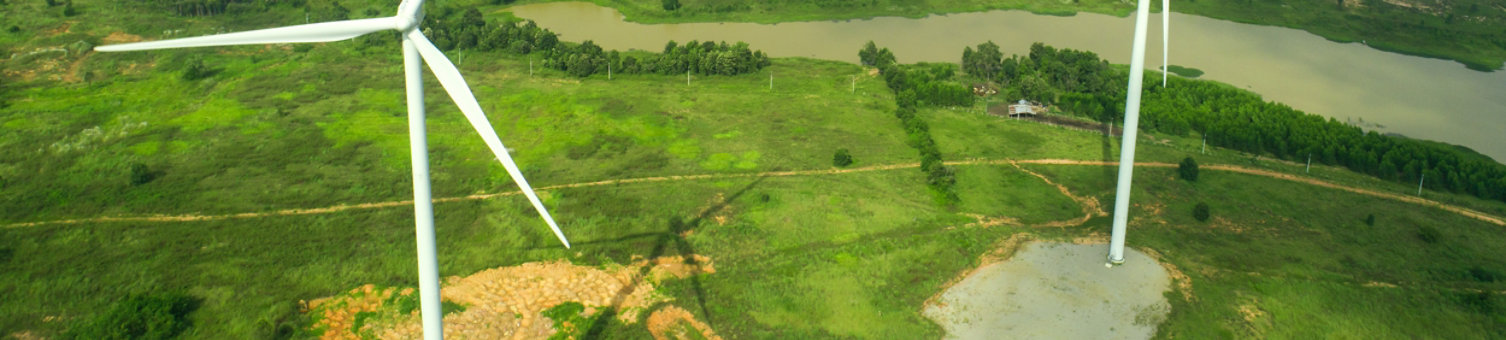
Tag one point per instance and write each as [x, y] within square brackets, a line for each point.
[850, 255]
[148, 316]
[842, 158]
[455, 29]
[916, 86]
[1185, 71]
[1187, 169]
[1081, 84]
[1467, 31]
[1200, 212]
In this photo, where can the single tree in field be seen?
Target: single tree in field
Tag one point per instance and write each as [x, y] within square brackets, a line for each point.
[670, 5]
[1200, 212]
[1188, 169]
[842, 158]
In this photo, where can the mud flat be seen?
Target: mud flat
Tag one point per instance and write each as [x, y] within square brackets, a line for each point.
[1056, 290]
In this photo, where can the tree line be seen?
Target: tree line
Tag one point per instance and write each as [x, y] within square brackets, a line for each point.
[915, 86]
[922, 84]
[1082, 83]
[1241, 120]
[452, 29]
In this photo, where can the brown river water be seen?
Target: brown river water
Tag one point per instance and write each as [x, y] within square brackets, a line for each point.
[1392, 93]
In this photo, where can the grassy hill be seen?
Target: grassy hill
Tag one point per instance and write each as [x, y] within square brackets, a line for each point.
[802, 255]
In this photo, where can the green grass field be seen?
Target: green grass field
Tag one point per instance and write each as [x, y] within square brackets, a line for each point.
[850, 255]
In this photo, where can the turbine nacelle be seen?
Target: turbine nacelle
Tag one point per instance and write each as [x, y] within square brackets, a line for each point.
[409, 15]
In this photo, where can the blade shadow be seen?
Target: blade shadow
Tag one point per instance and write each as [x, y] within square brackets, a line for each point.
[674, 236]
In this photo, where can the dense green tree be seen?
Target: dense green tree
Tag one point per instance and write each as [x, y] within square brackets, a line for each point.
[984, 62]
[869, 54]
[842, 158]
[670, 5]
[1201, 212]
[1187, 169]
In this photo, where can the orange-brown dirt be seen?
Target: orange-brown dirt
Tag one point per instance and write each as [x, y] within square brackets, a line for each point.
[508, 302]
[662, 324]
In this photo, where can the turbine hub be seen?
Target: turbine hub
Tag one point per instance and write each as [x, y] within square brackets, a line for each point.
[409, 21]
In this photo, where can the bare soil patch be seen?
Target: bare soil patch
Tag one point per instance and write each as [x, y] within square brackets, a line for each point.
[1056, 291]
[506, 302]
[671, 322]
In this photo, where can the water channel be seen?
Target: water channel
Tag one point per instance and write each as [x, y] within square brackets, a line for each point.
[1392, 93]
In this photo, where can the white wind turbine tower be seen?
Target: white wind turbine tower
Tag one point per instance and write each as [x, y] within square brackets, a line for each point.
[1165, 39]
[1131, 126]
[417, 51]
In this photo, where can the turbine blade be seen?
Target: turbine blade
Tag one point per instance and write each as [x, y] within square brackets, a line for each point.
[455, 85]
[320, 32]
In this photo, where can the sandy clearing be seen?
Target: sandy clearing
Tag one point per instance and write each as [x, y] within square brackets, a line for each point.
[1056, 290]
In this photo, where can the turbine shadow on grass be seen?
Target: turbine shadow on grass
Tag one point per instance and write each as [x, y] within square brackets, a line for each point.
[674, 236]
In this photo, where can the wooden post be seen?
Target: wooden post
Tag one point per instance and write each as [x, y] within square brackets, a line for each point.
[1309, 164]
[687, 77]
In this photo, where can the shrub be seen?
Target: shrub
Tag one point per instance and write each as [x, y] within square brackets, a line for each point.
[670, 5]
[1483, 275]
[1188, 169]
[842, 158]
[141, 174]
[1370, 220]
[149, 316]
[195, 69]
[1428, 234]
[1200, 212]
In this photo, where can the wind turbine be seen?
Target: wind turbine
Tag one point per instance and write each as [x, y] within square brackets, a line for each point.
[1131, 128]
[417, 51]
[1165, 39]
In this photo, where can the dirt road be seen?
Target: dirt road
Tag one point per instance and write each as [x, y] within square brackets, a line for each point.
[392, 204]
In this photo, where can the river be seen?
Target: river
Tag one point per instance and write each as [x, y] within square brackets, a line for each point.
[1392, 93]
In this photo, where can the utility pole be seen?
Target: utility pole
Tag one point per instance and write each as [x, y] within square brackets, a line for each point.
[530, 67]
[1205, 145]
[609, 70]
[1419, 184]
[854, 84]
[687, 77]
[1309, 163]
[771, 80]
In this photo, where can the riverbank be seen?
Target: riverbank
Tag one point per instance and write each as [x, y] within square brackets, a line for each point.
[1456, 33]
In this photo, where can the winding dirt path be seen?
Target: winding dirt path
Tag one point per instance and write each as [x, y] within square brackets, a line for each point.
[1088, 210]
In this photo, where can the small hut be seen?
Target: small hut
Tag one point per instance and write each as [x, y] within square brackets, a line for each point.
[1023, 107]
